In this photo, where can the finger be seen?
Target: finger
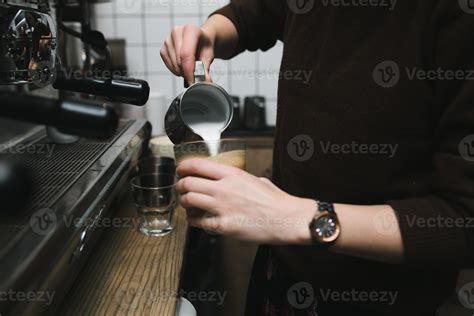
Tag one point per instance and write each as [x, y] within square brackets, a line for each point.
[198, 185]
[198, 200]
[205, 169]
[177, 40]
[208, 223]
[172, 54]
[191, 37]
[167, 60]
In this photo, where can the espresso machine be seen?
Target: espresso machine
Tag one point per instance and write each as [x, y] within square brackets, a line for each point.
[65, 157]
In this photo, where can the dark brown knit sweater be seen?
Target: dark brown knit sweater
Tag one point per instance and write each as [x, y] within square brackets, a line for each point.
[381, 78]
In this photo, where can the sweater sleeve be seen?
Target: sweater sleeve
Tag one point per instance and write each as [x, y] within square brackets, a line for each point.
[259, 23]
[438, 229]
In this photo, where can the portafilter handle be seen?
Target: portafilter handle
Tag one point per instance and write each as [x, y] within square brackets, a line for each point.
[116, 88]
[77, 117]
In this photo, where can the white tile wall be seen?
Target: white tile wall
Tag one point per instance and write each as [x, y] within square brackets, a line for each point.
[135, 60]
[157, 29]
[163, 83]
[220, 73]
[243, 71]
[155, 63]
[145, 24]
[106, 26]
[106, 8]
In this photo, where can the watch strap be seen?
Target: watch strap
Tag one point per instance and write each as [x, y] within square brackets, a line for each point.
[326, 206]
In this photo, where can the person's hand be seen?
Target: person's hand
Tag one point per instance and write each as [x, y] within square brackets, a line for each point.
[241, 205]
[183, 46]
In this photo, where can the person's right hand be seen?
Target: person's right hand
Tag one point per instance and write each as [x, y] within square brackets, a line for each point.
[183, 46]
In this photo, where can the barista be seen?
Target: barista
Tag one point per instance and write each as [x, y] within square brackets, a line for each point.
[344, 228]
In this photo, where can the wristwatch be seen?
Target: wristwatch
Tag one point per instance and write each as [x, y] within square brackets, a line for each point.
[324, 227]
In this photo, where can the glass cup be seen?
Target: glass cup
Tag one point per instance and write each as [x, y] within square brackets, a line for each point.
[155, 200]
[230, 152]
[156, 164]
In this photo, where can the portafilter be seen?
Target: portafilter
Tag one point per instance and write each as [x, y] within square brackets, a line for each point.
[28, 42]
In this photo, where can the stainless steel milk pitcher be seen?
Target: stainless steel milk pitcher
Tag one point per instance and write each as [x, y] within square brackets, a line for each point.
[202, 103]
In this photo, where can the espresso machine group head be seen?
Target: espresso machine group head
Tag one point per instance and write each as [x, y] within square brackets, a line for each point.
[30, 45]
[28, 55]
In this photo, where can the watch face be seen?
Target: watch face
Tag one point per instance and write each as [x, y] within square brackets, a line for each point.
[326, 228]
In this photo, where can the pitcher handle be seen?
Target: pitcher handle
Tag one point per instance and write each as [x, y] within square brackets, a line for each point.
[199, 71]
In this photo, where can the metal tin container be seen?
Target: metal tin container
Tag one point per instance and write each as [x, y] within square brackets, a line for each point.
[203, 100]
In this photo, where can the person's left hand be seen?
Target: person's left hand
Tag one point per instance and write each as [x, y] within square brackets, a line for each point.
[241, 205]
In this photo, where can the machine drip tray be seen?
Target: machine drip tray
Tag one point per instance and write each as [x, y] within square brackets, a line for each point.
[55, 167]
[74, 183]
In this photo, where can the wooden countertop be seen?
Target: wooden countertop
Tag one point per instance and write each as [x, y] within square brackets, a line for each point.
[129, 273]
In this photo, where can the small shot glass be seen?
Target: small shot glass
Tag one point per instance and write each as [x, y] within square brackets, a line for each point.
[156, 164]
[154, 195]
